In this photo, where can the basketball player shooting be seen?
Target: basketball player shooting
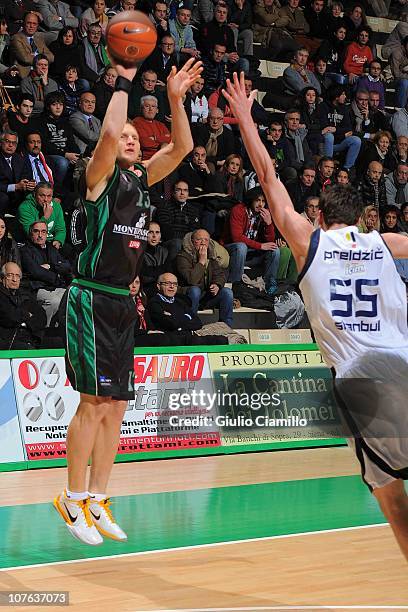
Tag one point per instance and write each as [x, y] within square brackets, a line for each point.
[99, 314]
[357, 307]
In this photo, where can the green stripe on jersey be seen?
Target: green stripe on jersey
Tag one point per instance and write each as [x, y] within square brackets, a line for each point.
[82, 282]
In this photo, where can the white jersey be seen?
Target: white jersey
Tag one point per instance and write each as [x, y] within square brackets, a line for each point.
[354, 296]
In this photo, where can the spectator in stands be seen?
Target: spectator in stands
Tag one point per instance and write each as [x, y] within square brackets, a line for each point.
[269, 30]
[148, 87]
[9, 250]
[296, 76]
[312, 211]
[342, 177]
[219, 32]
[372, 186]
[380, 117]
[170, 312]
[370, 220]
[332, 51]
[334, 16]
[94, 14]
[20, 120]
[159, 18]
[354, 20]
[15, 11]
[303, 187]
[396, 186]
[261, 116]
[358, 55]
[8, 73]
[400, 151]
[46, 269]
[85, 126]
[162, 60]
[399, 122]
[197, 174]
[291, 18]
[214, 73]
[72, 87]
[14, 180]
[318, 24]
[372, 82]
[68, 50]
[38, 84]
[27, 44]
[278, 147]
[365, 122]
[379, 149]
[41, 206]
[155, 259]
[299, 151]
[35, 163]
[217, 140]
[103, 91]
[389, 220]
[202, 276]
[240, 21]
[22, 320]
[56, 15]
[325, 173]
[325, 81]
[182, 32]
[399, 68]
[153, 134]
[250, 239]
[395, 40]
[198, 102]
[96, 57]
[309, 118]
[231, 177]
[336, 124]
[122, 5]
[403, 220]
[177, 217]
[58, 142]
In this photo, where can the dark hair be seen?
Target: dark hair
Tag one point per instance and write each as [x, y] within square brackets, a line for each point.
[253, 194]
[335, 91]
[24, 96]
[52, 97]
[341, 204]
[307, 167]
[62, 33]
[323, 159]
[403, 207]
[30, 133]
[38, 58]
[364, 28]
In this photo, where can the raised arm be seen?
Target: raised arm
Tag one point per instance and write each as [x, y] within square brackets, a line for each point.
[398, 245]
[294, 228]
[167, 159]
[102, 163]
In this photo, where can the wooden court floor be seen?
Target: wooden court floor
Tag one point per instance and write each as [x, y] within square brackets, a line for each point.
[263, 531]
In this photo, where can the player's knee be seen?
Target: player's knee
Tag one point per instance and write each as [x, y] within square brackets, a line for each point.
[392, 498]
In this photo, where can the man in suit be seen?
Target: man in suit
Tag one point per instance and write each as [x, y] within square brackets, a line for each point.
[35, 164]
[85, 125]
[14, 180]
[162, 59]
[28, 43]
[56, 15]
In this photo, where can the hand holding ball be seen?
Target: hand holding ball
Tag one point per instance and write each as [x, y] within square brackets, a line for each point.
[130, 37]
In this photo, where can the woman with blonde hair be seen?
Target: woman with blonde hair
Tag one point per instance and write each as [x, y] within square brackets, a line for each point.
[232, 175]
[370, 220]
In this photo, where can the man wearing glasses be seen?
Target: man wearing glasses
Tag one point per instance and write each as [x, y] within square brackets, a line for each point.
[22, 320]
[162, 60]
[123, 5]
[14, 177]
[148, 86]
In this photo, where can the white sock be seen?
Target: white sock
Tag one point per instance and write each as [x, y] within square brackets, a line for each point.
[97, 496]
[75, 496]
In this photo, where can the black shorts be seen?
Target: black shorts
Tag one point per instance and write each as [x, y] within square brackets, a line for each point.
[99, 342]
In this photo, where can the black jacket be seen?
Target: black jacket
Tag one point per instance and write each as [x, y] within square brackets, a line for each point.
[372, 196]
[32, 258]
[22, 320]
[174, 316]
[57, 135]
[226, 141]
[199, 182]
[213, 33]
[155, 62]
[11, 175]
[299, 193]
[176, 222]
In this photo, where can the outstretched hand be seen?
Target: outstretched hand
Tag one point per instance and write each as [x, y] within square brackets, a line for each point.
[238, 101]
[179, 82]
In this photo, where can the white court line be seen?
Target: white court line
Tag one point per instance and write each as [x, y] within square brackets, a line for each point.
[269, 608]
[193, 547]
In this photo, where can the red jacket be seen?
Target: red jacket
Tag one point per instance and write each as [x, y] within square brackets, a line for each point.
[238, 225]
[356, 58]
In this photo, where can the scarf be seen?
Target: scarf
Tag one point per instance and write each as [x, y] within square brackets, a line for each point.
[140, 311]
[166, 299]
[39, 87]
[181, 32]
[400, 195]
[358, 115]
[295, 136]
[91, 58]
[300, 70]
[212, 145]
[380, 153]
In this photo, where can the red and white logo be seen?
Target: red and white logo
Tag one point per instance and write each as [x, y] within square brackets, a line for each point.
[134, 244]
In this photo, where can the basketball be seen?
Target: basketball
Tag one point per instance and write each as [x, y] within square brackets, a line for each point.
[130, 37]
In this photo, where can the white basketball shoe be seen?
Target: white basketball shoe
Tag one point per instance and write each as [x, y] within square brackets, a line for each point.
[77, 518]
[103, 520]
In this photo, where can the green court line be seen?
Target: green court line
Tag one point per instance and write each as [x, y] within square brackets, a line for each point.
[34, 533]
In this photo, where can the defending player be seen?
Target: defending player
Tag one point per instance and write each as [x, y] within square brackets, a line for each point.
[357, 307]
[99, 314]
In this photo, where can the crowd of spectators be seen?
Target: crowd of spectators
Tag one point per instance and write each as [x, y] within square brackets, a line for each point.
[211, 227]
